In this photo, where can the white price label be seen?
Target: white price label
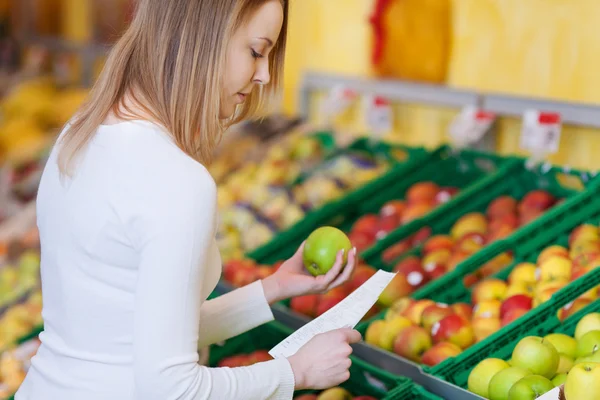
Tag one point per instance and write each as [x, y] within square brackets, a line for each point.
[541, 132]
[470, 126]
[379, 115]
[340, 98]
[345, 314]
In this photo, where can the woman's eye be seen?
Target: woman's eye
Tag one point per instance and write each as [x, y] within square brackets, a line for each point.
[256, 54]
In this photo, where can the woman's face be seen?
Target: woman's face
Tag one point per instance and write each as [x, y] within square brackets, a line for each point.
[247, 63]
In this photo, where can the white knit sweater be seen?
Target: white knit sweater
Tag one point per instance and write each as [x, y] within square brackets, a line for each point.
[128, 259]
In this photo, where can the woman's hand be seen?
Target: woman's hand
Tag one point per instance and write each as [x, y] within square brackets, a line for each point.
[324, 362]
[292, 279]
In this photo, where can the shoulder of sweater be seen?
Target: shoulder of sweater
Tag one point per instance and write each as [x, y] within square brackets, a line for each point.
[148, 151]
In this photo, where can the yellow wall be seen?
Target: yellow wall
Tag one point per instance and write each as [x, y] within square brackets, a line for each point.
[553, 40]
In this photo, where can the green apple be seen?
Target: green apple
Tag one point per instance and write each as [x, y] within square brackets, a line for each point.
[588, 343]
[564, 344]
[321, 249]
[583, 382]
[503, 381]
[536, 355]
[559, 379]
[530, 388]
[480, 376]
[594, 357]
[565, 364]
[590, 322]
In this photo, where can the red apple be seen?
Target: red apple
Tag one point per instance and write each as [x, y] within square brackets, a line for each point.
[415, 310]
[513, 314]
[519, 301]
[366, 224]
[463, 309]
[361, 274]
[440, 352]
[501, 206]
[237, 360]
[392, 207]
[412, 342]
[424, 192]
[415, 211]
[421, 236]
[361, 240]
[397, 288]
[438, 242]
[454, 329]
[306, 305]
[538, 200]
[393, 252]
[434, 270]
[385, 225]
[434, 313]
[328, 302]
[260, 356]
[408, 265]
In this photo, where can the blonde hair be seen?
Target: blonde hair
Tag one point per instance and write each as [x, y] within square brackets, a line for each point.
[169, 61]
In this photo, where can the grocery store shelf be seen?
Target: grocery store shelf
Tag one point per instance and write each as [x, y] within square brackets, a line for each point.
[391, 89]
[587, 115]
[571, 113]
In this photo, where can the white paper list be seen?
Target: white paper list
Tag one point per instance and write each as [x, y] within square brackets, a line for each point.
[345, 314]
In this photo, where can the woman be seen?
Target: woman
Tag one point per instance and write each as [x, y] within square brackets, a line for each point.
[127, 216]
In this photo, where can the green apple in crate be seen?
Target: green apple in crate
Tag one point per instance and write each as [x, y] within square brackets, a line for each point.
[504, 380]
[530, 388]
[482, 374]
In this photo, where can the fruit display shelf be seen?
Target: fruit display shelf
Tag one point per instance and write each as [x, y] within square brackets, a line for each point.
[443, 167]
[575, 341]
[281, 192]
[365, 380]
[565, 272]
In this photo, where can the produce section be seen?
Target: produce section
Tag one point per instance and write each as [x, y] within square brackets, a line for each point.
[495, 243]
[291, 183]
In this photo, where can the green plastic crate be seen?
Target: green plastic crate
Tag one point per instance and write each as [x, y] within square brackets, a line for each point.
[365, 380]
[545, 327]
[443, 166]
[526, 245]
[515, 179]
[408, 390]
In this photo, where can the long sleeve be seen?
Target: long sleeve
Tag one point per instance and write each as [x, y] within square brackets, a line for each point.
[233, 313]
[171, 223]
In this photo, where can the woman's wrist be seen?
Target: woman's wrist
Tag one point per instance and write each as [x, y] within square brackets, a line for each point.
[299, 378]
[272, 289]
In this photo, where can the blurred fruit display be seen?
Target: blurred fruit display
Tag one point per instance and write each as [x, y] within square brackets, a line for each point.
[269, 195]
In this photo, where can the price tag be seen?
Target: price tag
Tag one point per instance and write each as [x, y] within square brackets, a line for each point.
[470, 126]
[541, 132]
[378, 113]
[340, 98]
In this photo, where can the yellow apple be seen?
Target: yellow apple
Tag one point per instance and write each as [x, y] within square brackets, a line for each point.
[583, 382]
[523, 273]
[556, 269]
[482, 374]
[590, 322]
